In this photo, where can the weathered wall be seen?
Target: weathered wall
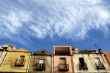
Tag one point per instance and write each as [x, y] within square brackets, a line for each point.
[35, 59]
[107, 56]
[56, 60]
[2, 56]
[90, 61]
[9, 62]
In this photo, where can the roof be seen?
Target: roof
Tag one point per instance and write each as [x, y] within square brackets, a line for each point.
[42, 52]
[22, 50]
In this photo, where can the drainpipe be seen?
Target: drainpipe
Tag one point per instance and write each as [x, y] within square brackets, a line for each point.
[72, 59]
[53, 54]
[51, 63]
[28, 62]
[72, 63]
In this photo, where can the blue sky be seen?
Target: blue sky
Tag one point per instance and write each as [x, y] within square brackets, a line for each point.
[40, 24]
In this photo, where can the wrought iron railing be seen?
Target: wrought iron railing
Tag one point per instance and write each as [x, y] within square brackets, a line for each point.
[63, 67]
[40, 66]
[83, 66]
[100, 66]
[19, 63]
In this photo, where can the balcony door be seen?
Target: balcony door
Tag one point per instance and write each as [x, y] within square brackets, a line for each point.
[81, 61]
[21, 59]
[97, 61]
[41, 64]
[62, 60]
[82, 64]
[41, 61]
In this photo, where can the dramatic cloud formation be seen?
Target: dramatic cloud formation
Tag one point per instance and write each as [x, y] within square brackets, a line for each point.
[70, 19]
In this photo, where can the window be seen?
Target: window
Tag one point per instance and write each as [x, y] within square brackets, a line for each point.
[41, 64]
[21, 59]
[41, 61]
[62, 60]
[99, 64]
[97, 61]
[63, 66]
[81, 60]
[82, 64]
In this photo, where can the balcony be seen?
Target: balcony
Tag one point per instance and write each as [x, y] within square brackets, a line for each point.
[63, 67]
[19, 63]
[100, 66]
[83, 66]
[40, 66]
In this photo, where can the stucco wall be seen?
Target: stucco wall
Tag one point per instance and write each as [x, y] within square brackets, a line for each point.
[35, 59]
[56, 60]
[107, 56]
[90, 61]
[9, 62]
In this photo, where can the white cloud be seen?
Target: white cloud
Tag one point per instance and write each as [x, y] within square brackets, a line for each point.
[71, 19]
[95, 1]
[13, 21]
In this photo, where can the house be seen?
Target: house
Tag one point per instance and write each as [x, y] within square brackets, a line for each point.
[16, 60]
[41, 62]
[89, 61]
[3, 52]
[62, 59]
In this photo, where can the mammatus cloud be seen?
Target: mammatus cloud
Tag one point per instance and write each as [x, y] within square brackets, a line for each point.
[70, 19]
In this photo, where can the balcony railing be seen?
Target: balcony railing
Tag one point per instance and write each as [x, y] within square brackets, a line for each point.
[63, 67]
[40, 66]
[83, 66]
[100, 66]
[19, 63]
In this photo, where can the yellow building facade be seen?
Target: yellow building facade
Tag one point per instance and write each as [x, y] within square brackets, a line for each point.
[3, 52]
[16, 61]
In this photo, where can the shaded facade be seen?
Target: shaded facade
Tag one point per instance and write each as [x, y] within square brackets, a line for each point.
[89, 61]
[41, 62]
[62, 59]
[16, 60]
